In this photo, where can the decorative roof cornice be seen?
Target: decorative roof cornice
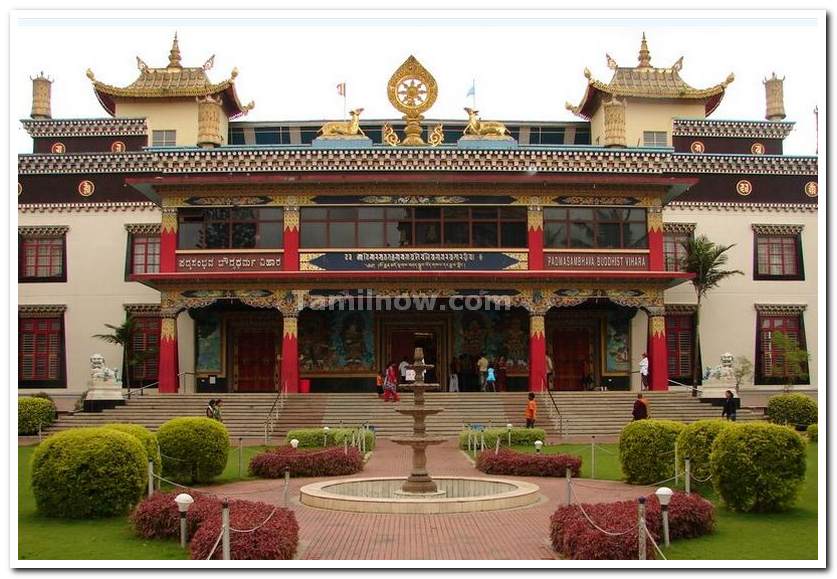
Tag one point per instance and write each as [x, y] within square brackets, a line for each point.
[143, 228]
[777, 228]
[670, 227]
[721, 128]
[143, 309]
[42, 230]
[86, 207]
[780, 309]
[681, 308]
[85, 127]
[41, 310]
[128, 162]
[744, 164]
[744, 207]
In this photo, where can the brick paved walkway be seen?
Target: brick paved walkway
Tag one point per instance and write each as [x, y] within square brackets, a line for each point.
[512, 534]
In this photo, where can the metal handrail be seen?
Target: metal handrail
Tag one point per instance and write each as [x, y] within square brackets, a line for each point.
[692, 387]
[141, 389]
[545, 388]
[275, 409]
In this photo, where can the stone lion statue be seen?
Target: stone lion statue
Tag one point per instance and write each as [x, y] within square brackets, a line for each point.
[723, 372]
[98, 370]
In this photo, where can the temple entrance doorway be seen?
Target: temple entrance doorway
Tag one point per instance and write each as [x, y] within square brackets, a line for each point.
[256, 356]
[573, 356]
[400, 338]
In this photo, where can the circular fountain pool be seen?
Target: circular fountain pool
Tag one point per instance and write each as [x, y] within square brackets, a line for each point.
[454, 495]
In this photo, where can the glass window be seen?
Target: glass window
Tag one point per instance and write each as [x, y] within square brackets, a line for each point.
[428, 213]
[341, 234]
[42, 259]
[555, 234]
[599, 228]
[41, 352]
[485, 234]
[772, 364]
[371, 234]
[166, 138]
[313, 235]
[674, 250]
[145, 253]
[427, 233]
[609, 236]
[778, 257]
[655, 138]
[456, 233]
[270, 235]
[237, 228]
[513, 234]
[581, 236]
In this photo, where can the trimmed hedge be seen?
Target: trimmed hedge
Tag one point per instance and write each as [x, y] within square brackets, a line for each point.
[277, 538]
[88, 472]
[157, 516]
[519, 436]
[695, 442]
[574, 538]
[793, 409]
[758, 467]
[646, 450]
[528, 464]
[812, 432]
[313, 437]
[193, 449]
[34, 411]
[327, 462]
[146, 438]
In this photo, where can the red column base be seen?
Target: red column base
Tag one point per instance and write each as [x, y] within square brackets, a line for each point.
[290, 356]
[657, 353]
[167, 367]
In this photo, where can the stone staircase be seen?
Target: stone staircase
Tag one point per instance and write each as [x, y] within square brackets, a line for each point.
[584, 413]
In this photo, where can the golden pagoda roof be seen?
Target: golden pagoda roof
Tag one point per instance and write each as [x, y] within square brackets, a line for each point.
[646, 81]
[172, 81]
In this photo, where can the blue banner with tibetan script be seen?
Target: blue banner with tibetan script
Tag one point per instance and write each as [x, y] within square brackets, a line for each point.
[413, 260]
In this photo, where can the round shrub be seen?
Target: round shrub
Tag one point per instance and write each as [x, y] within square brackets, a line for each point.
[277, 538]
[34, 411]
[157, 516]
[193, 449]
[812, 431]
[758, 467]
[695, 442]
[88, 472]
[146, 438]
[519, 436]
[646, 450]
[327, 462]
[793, 409]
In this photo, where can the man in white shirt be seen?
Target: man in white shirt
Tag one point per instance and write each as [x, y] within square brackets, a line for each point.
[482, 368]
[402, 369]
[643, 371]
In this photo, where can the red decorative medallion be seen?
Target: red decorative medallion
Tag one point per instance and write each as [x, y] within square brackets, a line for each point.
[698, 147]
[811, 189]
[757, 149]
[58, 148]
[744, 187]
[117, 147]
[86, 188]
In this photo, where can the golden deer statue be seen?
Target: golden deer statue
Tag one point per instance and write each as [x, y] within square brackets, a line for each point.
[482, 128]
[344, 128]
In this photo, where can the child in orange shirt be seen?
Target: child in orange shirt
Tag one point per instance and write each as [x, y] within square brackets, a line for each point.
[531, 411]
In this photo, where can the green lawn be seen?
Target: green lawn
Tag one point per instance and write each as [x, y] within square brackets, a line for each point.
[112, 538]
[779, 536]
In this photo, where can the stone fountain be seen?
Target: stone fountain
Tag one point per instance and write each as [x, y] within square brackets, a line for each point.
[419, 484]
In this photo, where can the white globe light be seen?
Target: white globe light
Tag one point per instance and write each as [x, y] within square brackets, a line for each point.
[294, 443]
[664, 495]
[326, 428]
[538, 444]
[184, 501]
[509, 426]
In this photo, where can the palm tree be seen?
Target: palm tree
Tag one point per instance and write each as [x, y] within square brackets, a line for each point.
[705, 259]
[122, 336]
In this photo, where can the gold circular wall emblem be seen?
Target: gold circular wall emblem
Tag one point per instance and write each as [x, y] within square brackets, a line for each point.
[757, 149]
[412, 89]
[19, 189]
[744, 187]
[117, 147]
[86, 188]
[811, 189]
[58, 148]
[698, 147]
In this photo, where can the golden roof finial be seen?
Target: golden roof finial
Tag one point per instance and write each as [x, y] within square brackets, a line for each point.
[644, 54]
[174, 54]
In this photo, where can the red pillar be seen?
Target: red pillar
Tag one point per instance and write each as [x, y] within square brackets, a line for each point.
[537, 353]
[535, 237]
[168, 240]
[290, 354]
[657, 352]
[167, 367]
[290, 236]
[656, 259]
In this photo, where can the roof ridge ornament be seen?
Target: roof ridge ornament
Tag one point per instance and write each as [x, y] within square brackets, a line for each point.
[644, 54]
[611, 64]
[174, 54]
[141, 65]
[209, 63]
[678, 65]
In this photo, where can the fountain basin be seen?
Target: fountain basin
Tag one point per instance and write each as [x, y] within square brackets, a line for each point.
[455, 495]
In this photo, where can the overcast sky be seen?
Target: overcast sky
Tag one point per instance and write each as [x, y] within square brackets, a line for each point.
[526, 66]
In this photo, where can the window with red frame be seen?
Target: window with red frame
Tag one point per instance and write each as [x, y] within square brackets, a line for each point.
[41, 352]
[42, 259]
[674, 250]
[145, 253]
[680, 337]
[145, 348]
[770, 359]
[778, 257]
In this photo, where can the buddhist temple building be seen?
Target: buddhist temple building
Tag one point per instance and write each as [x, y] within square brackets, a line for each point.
[297, 255]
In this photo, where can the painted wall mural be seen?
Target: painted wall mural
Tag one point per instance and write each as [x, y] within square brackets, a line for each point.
[336, 342]
[209, 344]
[617, 353]
[496, 333]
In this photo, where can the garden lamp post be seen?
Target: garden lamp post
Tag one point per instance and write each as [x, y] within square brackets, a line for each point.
[664, 496]
[325, 436]
[184, 501]
[294, 443]
[538, 445]
[509, 429]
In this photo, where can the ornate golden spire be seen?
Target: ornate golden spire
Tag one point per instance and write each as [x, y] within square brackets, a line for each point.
[174, 54]
[644, 54]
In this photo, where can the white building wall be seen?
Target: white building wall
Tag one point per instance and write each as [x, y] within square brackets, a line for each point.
[728, 314]
[95, 292]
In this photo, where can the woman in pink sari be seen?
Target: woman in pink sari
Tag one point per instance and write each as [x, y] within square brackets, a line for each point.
[390, 383]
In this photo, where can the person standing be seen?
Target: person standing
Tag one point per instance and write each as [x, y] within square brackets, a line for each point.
[379, 382]
[453, 381]
[391, 384]
[640, 408]
[210, 408]
[550, 373]
[402, 369]
[501, 374]
[491, 379]
[217, 413]
[482, 368]
[730, 407]
[531, 411]
[643, 371]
